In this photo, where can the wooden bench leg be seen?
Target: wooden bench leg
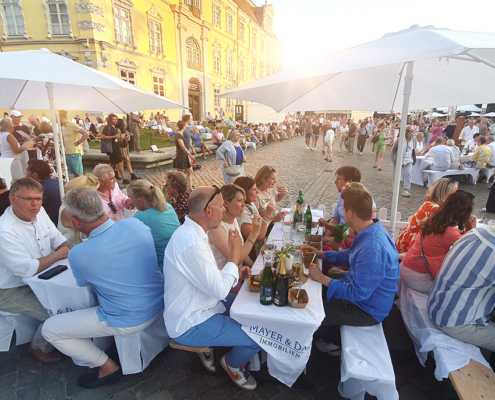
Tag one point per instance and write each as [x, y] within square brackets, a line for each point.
[216, 357]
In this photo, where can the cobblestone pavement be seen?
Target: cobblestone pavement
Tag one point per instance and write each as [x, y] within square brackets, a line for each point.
[179, 375]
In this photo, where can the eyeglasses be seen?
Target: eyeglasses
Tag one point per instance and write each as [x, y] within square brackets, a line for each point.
[217, 190]
[30, 199]
[112, 206]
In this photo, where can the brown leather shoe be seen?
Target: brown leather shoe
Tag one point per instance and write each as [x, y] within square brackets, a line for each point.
[52, 357]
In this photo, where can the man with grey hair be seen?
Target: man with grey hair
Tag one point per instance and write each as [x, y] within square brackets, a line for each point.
[125, 276]
[468, 132]
[490, 143]
[35, 121]
[114, 201]
[195, 288]
[483, 127]
[29, 244]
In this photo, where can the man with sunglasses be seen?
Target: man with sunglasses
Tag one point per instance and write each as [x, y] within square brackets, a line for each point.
[29, 244]
[195, 289]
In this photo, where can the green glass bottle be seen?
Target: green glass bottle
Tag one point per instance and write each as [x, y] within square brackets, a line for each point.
[282, 287]
[267, 285]
[297, 215]
[300, 199]
[309, 220]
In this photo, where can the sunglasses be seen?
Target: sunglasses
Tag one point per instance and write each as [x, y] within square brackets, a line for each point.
[217, 191]
[112, 206]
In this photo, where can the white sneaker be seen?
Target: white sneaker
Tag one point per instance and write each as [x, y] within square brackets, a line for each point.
[360, 153]
[329, 348]
[406, 193]
[307, 148]
[240, 376]
[208, 360]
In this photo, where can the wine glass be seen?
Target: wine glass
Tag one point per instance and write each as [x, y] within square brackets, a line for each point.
[270, 247]
[297, 266]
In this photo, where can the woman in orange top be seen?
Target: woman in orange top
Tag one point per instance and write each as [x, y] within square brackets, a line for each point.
[434, 198]
[423, 261]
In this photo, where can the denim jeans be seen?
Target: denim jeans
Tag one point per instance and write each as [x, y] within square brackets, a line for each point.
[220, 330]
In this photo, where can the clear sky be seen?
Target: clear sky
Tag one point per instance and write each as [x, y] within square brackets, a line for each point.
[324, 26]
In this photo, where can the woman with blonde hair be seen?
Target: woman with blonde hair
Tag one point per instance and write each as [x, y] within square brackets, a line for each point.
[154, 212]
[456, 152]
[176, 186]
[266, 178]
[434, 198]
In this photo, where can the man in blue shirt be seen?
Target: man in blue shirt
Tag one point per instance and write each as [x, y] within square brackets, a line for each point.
[125, 276]
[40, 170]
[365, 295]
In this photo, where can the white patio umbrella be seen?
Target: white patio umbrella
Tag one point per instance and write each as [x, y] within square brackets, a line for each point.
[450, 67]
[39, 79]
[438, 115]
[466, 108]
[475, 114]
[491, 114]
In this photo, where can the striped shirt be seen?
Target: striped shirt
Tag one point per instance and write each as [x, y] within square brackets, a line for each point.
[464, 290]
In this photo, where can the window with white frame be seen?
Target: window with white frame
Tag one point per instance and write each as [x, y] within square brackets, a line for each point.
[253, 70]
[128, 75]
[155, 29]
[193, 53]
[218, 100]
[59, 17]
[228, 102]
[217, 60]
[255, 39]
[228, 64]
[14, 18]
[241, 32]
[217, 15]
[241, 70]
[158, 84]
[229, 23]
[123, 28]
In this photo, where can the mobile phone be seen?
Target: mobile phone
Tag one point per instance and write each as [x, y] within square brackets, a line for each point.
[53, 272]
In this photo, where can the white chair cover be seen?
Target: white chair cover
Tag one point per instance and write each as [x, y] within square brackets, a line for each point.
[25, 327]
[366, 365]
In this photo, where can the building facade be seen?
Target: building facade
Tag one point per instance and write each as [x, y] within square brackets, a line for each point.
[186, 50]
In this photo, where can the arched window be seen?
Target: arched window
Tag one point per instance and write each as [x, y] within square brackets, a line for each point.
[193, 52]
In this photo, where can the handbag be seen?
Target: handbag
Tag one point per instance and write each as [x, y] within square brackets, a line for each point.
[374, 139]
[124, 144]
[233, 170]
[106, 146]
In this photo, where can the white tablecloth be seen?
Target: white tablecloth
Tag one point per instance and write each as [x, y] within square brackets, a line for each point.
[417, 170]
[61, 293]
[285, 333]
[5, 170]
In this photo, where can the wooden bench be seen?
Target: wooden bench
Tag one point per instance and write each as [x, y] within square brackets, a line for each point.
[434, 176]
[198, 349]
[473, 382]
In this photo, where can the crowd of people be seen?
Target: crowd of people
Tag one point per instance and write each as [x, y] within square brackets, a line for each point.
[191, 249]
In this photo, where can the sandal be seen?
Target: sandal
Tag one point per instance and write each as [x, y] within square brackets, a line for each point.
[374, 166]
[379, 169]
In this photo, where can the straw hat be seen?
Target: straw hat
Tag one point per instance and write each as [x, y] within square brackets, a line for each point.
[86, 181]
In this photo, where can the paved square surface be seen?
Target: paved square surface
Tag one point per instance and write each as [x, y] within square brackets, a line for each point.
[179, 375]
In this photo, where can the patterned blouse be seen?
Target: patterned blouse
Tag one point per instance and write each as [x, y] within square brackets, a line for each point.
[407, 237]
[181, 206]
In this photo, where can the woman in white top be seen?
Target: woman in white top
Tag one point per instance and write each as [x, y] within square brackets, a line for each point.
[343, 133]
[233, 201]
[266, 178]
[10, 148]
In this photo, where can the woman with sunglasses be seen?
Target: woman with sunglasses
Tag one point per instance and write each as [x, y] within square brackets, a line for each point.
[434, 198]
[245, 221]
[422, 262]
[266, 178]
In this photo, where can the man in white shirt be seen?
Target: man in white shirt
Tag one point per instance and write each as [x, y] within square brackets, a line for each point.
[468, 132]
[195, 288]
[491, 144]
[441, 156]
[29, 244]
[45, 118]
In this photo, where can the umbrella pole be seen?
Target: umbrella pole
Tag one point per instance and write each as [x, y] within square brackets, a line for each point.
[49, 89]
[400, 149]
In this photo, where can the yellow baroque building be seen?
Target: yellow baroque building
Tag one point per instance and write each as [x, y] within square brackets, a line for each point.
[185, 50]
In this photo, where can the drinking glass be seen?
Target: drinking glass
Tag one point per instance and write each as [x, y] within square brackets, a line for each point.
[297, 266]
[301, 231]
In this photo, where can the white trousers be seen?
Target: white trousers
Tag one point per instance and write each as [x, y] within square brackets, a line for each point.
[71, 334]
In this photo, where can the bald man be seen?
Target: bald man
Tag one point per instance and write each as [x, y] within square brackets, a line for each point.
[195, 289]
[35, 121]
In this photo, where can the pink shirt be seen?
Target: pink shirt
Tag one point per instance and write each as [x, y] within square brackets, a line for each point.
[435, 248]
[216, 136]
[117, 198]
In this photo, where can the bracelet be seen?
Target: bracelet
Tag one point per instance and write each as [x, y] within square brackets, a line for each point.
[250, 241]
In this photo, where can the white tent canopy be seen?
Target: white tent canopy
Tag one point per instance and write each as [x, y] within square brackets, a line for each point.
[75, 86]
[466, 108]
[438, 115]
[492, 114]
[413, 69]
